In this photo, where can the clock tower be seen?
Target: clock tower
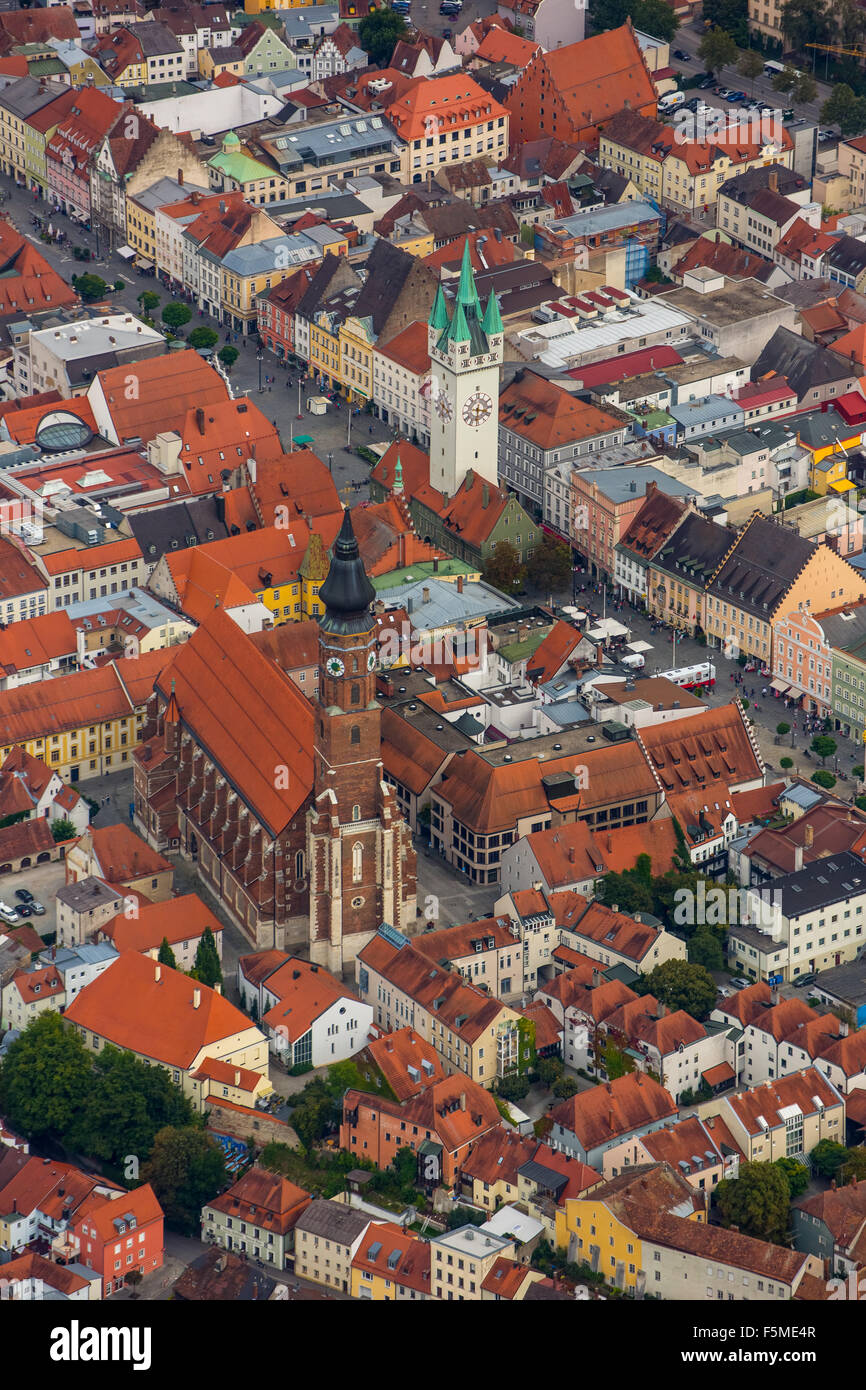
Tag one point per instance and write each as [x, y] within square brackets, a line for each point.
[466, 350]
[359, 849]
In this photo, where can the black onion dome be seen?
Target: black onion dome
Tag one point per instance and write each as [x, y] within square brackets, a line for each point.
[347, 592]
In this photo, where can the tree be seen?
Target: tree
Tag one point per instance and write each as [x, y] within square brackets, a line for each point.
[783, 729]
[750, 65]
[731, 15]
[63, 829]
[148, 301]
[823, 746]
[186, 1169]
[797, 1175]
[405, 1165]
[133, 1279]
[203, 337]
[827, 1157]
[717, 50]
[44, 1078]
[504, 569]
[786, 764]
[681, 985]
[757, 1202]
[565, 1088]
[784, 81]
[824, 779]
[379, 32]
[166, 955]
[118, 285]
[854, 1166]
[616, 1062]
[175, 314]
[857, 771]
[804, 90]
[705, 949]
[312, 1119]
[649, 16]
[90, 286]
[806, 21]
[845, 109]
[228, 356]
[127, 1104]
[549, 566]
[549, 1070]
[206, 966]
[514, 1087]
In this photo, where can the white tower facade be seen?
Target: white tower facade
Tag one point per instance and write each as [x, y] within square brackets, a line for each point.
[466, 350]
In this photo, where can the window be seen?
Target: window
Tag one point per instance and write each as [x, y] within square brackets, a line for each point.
[356, 734]
[357, 862]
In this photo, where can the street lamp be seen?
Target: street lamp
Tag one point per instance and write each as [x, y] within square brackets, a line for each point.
[260, 357]
[330, 461]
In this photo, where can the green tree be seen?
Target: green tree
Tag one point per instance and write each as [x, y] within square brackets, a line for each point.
[649, 16]
[504, 569]
[175, 314]
[513, 1087]
[228, 356]
[565, 1088]
[806, 21]
[824, 779]
[148, 301]
[681, 985]
[206, 966]
[166, 954]
[750, 65]
[731, 15]
[631, 890]
[44, 1079]
[827, 1158]
[845, 109]
[549, 1070]
[186, 1169]
[203, 337]
[127, 1104]
[90, 286]
[549, 566]
[717, 50]
[797, 1175]
[758, 1202]
[854, 1166]
[786, 764]
[404, 1165]
[804, 90]
[379, 32]
[857, 771]
[823, 746]
[705, 949]
[63, 829]
[783, 729]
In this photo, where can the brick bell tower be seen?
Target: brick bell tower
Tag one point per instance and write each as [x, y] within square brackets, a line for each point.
[359, 849]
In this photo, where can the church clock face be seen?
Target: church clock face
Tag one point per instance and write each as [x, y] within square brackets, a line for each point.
[444, 408]
[371, 661]
[335, 666]
[478, 409]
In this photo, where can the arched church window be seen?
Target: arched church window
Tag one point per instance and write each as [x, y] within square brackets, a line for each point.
[300, 864]
[356, 734]
[356, 694]
[356, 813]
[357, 863]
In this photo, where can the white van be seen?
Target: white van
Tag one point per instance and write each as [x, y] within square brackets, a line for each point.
[8, 914]
[634, 662]
[671, 100]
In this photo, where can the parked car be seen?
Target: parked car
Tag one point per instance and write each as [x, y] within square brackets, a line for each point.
[739, 983]
[825, 136]
[788, 115]
[723, 92]
[735, 96]
[707, 83]
[682, 56]
[36, 908]
[24, 910]
[725, 992]
[23, 895]
[805, 980]
[447, 33]
[9, 915]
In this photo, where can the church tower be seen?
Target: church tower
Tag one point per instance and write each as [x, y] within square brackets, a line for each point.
[466, 349]
[359, 849]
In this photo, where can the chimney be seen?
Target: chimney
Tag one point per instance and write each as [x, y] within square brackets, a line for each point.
[462, 1100]
[389, 1046]
[425, 595]
[485, 496]
[610, 1120]
[809, 836]
[798, 858]
[237, 1078]
[435, 564]
[196, 998]
[157, 974]
[180, 177]
[460, 583]
[199, 419]
[773, 181]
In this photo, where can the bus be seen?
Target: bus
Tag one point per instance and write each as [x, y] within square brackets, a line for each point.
[771, 68]
[689, 677]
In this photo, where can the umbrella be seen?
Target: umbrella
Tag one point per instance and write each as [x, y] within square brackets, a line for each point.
[50, 229]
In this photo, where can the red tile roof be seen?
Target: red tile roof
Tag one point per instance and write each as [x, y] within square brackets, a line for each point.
[705, 751]
[454, 100]
[261, 721]
[410, 1269]
[169, 387]
[67, 702]
[305, 993]
[151, 1010]
[266, 1200]
[28, 282]
[614, 1110]
[36, 642]
[767, 1101]
[34, 985]
[120, 855]
[463, 1007]
[178, 919]
[394, 1053]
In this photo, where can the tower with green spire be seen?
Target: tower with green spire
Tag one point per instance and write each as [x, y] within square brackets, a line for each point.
[466, 346]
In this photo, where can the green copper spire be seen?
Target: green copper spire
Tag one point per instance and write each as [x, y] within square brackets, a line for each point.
[466, 291]
[439, 313]
[492, 321]
[458, 329]
[398, 476]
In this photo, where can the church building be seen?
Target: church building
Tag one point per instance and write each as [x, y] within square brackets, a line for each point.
[281, 801]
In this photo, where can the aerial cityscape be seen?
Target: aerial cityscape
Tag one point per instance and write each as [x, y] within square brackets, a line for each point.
[433, 659]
